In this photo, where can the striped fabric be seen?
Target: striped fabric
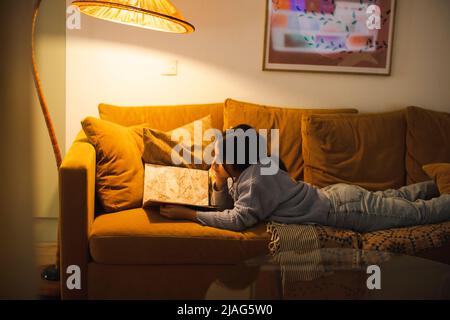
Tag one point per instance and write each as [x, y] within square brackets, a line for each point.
[297, 249]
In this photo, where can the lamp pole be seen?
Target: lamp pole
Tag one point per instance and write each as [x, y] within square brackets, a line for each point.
[50, 272]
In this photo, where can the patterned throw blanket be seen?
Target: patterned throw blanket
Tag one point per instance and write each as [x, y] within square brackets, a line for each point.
[306, 266]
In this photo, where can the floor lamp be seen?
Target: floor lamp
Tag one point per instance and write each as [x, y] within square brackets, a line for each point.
[159, 15]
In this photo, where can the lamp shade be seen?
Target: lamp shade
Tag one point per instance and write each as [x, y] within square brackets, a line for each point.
[158, 15]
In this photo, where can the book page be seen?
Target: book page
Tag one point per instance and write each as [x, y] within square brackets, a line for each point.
[165, 184]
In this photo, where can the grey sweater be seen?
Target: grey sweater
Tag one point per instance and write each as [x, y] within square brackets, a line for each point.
[255, 197]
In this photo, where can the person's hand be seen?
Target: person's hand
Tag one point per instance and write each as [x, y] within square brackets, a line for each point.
[177, 212]
[219, 181]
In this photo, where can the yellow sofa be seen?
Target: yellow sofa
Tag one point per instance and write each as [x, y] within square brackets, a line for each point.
[137, 254]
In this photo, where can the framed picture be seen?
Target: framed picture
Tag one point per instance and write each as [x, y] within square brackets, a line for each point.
[346, 36]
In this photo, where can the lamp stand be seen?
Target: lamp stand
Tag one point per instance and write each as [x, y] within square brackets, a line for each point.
[50, 272]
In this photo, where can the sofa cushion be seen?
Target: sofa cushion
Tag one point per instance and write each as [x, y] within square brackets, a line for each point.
[427, 141]
[410, 240]
[367, 150]
[164, 118]
[440, 173]
[119, 171]
[144, 237]
[287, 120]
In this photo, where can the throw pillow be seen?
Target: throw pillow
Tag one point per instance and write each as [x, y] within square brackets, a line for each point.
[119, 172]
[158, 145]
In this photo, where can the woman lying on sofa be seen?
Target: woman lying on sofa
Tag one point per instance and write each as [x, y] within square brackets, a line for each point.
[254, 197]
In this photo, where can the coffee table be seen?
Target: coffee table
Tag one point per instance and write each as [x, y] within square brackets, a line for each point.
[333, 273]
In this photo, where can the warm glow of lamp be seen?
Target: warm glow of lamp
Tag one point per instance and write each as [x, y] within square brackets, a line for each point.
[160, 15]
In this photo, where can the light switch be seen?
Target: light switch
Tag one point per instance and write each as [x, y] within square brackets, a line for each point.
[170, 68]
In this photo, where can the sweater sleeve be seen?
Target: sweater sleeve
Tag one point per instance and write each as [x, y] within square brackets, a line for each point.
[257, 199]
[222, 198]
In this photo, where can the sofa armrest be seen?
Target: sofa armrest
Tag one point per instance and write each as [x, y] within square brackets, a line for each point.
[77, 207]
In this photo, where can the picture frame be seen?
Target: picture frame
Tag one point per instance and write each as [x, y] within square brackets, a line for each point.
[337, 36]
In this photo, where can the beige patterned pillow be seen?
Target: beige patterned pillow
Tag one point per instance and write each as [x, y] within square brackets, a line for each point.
[158, 145]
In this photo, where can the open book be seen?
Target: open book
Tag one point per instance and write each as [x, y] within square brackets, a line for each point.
[175, 185]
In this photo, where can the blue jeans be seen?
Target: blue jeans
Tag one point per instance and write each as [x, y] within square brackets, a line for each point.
[357, 209]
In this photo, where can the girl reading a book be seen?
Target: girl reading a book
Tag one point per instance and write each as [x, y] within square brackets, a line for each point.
[254, 197]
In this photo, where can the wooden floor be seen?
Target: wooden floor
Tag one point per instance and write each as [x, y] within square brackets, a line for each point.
[45, 255]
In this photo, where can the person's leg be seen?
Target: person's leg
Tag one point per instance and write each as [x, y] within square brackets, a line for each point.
[424, 191]
[357, 209]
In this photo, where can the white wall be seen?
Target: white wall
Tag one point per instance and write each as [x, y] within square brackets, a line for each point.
[117, 64]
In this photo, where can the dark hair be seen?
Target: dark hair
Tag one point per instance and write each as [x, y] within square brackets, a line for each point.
[247, 147]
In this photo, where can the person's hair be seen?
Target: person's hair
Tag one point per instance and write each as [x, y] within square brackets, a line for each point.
[240, 166]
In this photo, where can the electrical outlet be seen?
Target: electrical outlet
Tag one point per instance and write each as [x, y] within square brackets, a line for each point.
[170, 68]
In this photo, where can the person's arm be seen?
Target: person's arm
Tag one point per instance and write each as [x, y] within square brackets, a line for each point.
[257, 199]
[221, 197]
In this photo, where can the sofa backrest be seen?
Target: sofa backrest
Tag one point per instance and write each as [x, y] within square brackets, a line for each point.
[224, 116]
[367, 149]
[377, 151]
[164, 118]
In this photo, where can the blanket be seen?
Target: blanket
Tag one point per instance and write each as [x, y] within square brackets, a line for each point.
[305, 265]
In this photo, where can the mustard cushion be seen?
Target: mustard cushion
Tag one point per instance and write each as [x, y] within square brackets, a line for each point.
[287, 120]
[119, 171]
[427, 141]
[163, 118]
[158, 145]
[440, 172]
[367, 150]
[143, 236]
